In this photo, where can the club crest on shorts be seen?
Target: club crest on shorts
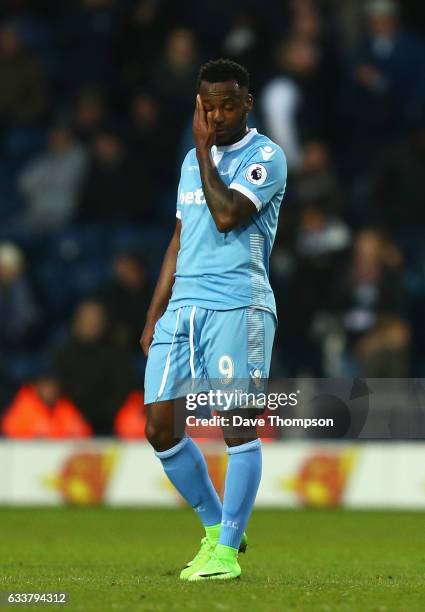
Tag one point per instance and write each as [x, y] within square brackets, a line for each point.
[256, 377]
[256, 174]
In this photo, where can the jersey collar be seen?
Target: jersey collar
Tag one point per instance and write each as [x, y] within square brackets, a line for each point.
[239, 144]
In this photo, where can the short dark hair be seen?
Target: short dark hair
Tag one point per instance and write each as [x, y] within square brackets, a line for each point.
[218, 71]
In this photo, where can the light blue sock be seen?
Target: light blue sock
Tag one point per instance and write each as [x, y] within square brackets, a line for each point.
[242, 481]
[185, 466]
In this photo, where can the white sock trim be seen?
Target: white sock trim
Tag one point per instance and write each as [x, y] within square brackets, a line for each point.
[173, 450]
[244, 448]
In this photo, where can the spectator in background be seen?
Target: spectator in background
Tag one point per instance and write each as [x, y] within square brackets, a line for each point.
[116, 187]
[148, 140]
[317, 24]
[39, 410]
[23, 90]
[320, 232]
[174, 75]
[7, 385]
[305, 21]
[368, 295]
[398, 187]
[88, 31]
[384, 351]
[144, 133]
[316, 180]
[51, 183]
[292, 102]
[173, 78]
[140, 41]
[95, 373]
[19, 312]
[126, 299]
[314, 188]
[322, 240]
[386, 90]
[247, 42]
[130, 420]
[90, 116]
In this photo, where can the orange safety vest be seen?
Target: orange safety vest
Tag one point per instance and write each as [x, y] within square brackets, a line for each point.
[130, 420]
[29, 417]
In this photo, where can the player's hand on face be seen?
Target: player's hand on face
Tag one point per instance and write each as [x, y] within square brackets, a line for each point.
[146, 337]
[203, 127]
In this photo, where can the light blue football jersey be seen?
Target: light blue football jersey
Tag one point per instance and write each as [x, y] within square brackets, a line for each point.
[221, 271]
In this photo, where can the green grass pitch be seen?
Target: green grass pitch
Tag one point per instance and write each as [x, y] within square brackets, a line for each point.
[129, 559]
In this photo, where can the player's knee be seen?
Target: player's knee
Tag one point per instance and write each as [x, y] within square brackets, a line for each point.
[239, 432]
[160, 437]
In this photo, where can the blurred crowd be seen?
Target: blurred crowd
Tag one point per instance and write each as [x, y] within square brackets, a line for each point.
[96, 100]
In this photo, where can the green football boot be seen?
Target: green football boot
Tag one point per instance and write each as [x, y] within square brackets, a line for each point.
[208, 544]
[222, 565]
[204, 553]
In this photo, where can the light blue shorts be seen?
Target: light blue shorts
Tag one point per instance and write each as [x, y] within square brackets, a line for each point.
[195, 345]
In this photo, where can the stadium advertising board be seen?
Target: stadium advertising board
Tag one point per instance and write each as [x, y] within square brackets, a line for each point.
[296, 474]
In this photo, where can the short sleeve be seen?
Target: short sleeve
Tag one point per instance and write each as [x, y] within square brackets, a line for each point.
[262, 175]
[179, 189]
[178, 210]
[178, 203]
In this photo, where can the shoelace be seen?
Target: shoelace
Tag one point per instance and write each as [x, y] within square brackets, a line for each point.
[205, 544]
[216, 559]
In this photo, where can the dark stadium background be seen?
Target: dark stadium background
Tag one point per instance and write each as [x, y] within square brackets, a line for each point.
[96, 98]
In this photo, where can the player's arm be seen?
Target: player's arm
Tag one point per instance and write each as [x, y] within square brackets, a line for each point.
[162, 293]
[228, 207]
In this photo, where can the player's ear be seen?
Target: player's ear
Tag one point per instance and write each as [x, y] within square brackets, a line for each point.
[249, 102]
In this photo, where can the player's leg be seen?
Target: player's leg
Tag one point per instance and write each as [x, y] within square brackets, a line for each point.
[186, 468]
[169, 361]
[242, 477]
[244, 357]
[163, 429]
[182, 460]
[242, 481]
